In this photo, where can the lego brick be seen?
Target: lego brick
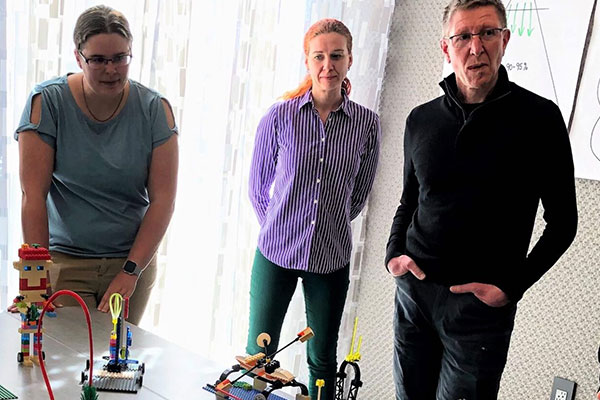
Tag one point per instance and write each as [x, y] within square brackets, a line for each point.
[245, 394]
[33, 252]
[115, 384]
[127, 381]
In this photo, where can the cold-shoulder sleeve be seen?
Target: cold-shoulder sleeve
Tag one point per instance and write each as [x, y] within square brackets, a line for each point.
[161, 131]
[47, 126]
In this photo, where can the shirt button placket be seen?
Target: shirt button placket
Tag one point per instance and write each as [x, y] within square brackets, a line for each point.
[319, 171]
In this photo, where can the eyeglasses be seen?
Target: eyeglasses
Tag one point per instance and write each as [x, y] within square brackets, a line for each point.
[98, 62]
[464, 39]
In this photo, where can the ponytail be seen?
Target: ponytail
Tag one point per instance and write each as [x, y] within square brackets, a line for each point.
[346, 86]
[304, 87]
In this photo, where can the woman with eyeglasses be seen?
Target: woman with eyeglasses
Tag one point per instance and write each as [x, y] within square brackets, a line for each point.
[98, 169]
[314, 162]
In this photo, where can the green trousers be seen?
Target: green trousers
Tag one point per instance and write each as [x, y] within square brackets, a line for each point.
[271, 290]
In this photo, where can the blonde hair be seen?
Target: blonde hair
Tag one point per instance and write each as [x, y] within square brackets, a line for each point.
[327, 25]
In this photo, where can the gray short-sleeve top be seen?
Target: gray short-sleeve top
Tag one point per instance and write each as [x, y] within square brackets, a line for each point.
[98, 195]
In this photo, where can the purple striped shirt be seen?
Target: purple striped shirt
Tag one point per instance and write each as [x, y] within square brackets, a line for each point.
[322, 175]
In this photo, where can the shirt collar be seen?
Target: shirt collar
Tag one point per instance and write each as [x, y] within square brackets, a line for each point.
[345, 106]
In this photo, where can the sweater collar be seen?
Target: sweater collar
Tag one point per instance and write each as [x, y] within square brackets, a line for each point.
[502, 87]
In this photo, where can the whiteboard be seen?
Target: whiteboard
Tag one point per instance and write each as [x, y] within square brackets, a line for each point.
[585, 131]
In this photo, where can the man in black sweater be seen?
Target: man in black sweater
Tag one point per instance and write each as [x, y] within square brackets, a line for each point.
[477, 162]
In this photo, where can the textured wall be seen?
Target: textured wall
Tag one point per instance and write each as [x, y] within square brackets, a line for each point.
[558, 323]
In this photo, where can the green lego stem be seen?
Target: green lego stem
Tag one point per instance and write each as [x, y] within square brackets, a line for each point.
[88, 393]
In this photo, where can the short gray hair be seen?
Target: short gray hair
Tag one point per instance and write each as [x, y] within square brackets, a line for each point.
[457, 5]
[100, 19]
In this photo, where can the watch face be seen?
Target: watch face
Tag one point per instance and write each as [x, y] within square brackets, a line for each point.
[130, 266]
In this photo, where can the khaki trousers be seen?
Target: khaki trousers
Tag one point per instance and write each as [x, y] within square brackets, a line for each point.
[90, 277]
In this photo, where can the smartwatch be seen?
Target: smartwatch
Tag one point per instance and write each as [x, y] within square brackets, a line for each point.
[131, 268]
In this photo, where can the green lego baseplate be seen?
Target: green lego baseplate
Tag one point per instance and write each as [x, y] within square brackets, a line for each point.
[5, 394]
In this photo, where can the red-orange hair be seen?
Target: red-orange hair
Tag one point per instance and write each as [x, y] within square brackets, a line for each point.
[327, 25]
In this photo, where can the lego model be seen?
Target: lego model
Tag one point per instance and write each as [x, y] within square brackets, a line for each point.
[266, 371]
[352, 360]
[88, 391]
[33, 265]
[120, 373]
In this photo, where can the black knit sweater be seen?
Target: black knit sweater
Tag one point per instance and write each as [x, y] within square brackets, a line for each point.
[472, 185]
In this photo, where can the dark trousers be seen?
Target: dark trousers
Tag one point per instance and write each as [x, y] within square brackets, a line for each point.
[271, 289]
[447, 346]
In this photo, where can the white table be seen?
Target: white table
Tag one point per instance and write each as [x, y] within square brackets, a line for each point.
[171, 371]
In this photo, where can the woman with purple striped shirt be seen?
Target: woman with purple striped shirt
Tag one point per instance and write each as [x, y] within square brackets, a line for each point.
[317, 151]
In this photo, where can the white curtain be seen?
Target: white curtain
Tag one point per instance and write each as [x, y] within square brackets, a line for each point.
[221, 64]
[4, 171]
